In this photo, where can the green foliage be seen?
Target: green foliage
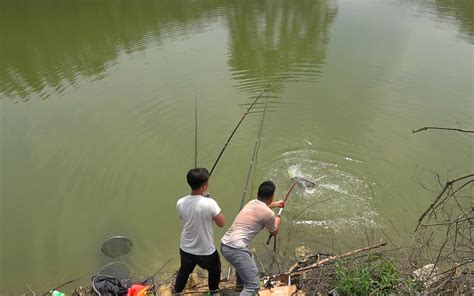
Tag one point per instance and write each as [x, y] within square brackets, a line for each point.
[366, 277]
[386, 274]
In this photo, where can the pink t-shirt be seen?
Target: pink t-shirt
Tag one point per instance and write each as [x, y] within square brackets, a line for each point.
[249, 222]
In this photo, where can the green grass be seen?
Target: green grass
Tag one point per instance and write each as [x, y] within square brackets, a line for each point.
[366, 277]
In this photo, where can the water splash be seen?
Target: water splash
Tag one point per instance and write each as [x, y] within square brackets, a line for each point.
[338, 201]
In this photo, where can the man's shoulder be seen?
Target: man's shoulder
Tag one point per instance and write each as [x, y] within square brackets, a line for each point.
[261, 208]
[182, 199]
[209, 202]
[258, 204]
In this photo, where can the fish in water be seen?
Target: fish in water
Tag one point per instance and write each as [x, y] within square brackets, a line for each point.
[305, 183]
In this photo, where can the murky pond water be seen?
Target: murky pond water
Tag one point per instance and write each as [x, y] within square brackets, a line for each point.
[97, 120]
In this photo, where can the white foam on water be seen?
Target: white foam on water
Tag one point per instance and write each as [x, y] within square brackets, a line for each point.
[340, 200]
[354, 160]
[295, 171]
[334, 187]
[340, 224]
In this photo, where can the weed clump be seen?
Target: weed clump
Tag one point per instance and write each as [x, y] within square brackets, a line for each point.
[367, 276]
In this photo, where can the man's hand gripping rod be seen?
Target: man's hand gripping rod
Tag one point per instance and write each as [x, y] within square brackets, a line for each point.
[281, 209]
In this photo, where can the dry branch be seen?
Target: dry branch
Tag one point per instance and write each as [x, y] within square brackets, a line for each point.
[337, 257]
[443, 238]
[448, 185]
[327, 261]
[442, 128]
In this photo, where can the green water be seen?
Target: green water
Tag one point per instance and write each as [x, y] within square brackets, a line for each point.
[97, 121]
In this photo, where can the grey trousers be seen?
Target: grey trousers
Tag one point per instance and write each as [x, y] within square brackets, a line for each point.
[247, 272]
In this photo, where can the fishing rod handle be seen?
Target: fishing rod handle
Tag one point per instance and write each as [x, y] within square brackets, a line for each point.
[269, 239]
[279, 212]
[270, 236]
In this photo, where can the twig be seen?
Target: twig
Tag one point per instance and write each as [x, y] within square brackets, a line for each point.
[329, 260]
[456, 266]
[442, 128]
[449, 222]
[31, 290]
[438, 257]
[446, 186]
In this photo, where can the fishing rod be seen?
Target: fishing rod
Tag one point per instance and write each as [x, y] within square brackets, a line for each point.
[195, 131]
[252, 161]
[281, 209]
[254, 156]
[62, 285]
[235, 129]
[242, 119]
[152, 277]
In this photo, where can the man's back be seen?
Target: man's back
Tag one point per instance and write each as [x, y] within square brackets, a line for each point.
[197, 213]
[256, 215]
[249, 222]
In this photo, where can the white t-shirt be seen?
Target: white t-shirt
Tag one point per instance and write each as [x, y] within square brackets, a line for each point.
[249, 222]
[197, 213]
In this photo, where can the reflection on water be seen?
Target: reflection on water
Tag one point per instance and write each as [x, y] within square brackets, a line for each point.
[81, 40]
[458, 12]
[268, 39]
[47, 46]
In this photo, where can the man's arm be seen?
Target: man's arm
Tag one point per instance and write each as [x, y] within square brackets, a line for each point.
[277, 204]
[219, 220]
[277, 224]
[216, 213]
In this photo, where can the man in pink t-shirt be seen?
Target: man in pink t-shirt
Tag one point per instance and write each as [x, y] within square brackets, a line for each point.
[255, 216]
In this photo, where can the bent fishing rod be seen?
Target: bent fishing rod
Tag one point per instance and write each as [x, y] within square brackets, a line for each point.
[281, 209]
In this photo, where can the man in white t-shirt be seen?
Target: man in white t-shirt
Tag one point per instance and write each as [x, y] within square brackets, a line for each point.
[255, 216]
[197, 212]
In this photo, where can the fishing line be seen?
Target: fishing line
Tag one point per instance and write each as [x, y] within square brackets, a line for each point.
[307, 207]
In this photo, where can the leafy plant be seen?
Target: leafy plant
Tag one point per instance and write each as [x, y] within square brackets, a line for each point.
[386, 274]
[366, 277]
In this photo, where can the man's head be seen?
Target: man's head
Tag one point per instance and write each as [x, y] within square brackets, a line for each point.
[266, 191]
[198, 178]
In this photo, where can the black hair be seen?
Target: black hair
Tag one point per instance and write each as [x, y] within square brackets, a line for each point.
[196, 177]
[265, 190]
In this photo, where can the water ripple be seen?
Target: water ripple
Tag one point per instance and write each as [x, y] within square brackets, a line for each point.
[343, 197]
